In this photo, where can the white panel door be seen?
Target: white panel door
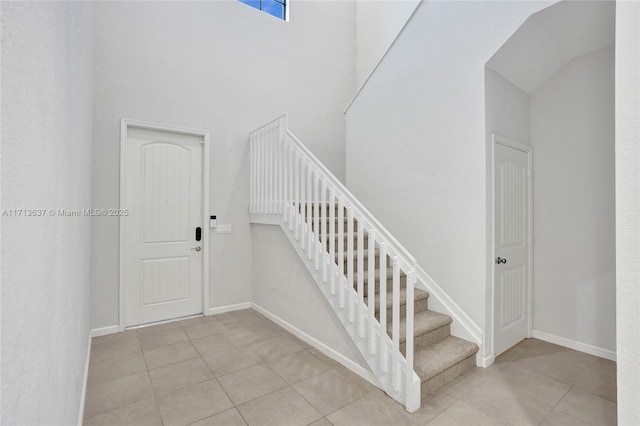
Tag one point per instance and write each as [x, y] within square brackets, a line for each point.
[163, 260]
[512, 248]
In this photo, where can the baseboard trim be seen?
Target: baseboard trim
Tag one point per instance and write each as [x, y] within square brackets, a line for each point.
[485, 361]
[439, 301]
[103, 331]
[573, 344]
[85, 379]
[229, 308]
[326, 350]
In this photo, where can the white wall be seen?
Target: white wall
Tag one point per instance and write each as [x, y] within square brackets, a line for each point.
[46, 164]
[416, 140]
[508, 109]
[627, 126]
[572, 133]
[284, 287]
[377, 25]
[228, 68]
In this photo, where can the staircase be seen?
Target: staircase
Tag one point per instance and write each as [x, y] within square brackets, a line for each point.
[358, 266]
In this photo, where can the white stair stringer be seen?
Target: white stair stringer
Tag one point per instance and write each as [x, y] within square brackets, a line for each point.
[357, 321]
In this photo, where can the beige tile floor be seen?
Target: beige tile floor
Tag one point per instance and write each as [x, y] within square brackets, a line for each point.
[239, 368]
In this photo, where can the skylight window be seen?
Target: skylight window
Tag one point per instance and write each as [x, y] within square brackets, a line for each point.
[277, 8]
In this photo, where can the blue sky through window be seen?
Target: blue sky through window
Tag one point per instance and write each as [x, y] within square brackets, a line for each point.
[275, 8]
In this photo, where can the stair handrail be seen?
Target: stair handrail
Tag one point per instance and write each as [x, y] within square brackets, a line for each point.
[388, 237]
[369, 217]
[272, 195]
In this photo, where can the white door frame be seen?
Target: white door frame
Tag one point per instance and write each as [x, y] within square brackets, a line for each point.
[125, 124]
[497, 139]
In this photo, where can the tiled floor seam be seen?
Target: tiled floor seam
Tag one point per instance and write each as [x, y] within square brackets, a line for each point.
[337, 409]
[145, 363]
[302, 380]
[120, 408]
[572, 387]
[443, 411]
[469, 389]
[261, 396]
[240, 412]
[211, 415]
[227, 373]
[289, 385]
[302, 396]
[558, 403]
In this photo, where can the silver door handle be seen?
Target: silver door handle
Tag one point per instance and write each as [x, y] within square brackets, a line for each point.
[500, 260]
[196, 248]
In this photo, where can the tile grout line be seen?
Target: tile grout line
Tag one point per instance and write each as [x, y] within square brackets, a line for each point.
[210, 371]
[190, 340]
[337, 409]
[266, 363]
[153, 392]
[558, 403]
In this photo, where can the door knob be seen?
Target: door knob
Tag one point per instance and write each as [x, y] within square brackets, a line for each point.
[500, 260]
[196, 248]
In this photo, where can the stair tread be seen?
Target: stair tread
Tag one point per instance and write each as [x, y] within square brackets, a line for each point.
[345, 255]
[377, 275]
[345, 236]
[418, 295]
[434, 359]
[423, 322]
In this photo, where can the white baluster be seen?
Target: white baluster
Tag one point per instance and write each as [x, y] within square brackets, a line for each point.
[279, 172]
[283, 178]
[269, 167]
[292, 196]
[274, 167]
[303, 204]
[262, 176]
[383, 306]
[360, 256]
[296, 195]
[350, 257]
[411, 282]
[323, 228]
[316, 220]
[340, 252]
[309, 211]
[282, 157]
[286, 180]
[395, 310]
[252, 174]
[290, 185]
[265, 169]
[256, 172]
[332, 240]
[371, 291]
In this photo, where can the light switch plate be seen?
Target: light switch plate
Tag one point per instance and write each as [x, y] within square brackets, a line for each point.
[223, 229]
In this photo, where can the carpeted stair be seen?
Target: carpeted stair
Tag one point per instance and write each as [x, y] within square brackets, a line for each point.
[438, 357]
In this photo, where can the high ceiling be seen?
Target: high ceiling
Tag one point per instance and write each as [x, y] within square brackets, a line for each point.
[551, 38]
